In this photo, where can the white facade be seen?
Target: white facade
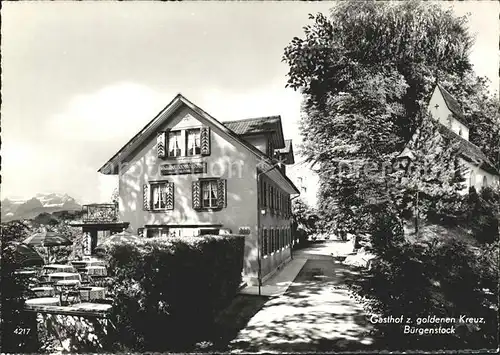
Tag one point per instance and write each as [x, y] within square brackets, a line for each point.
[166, 190]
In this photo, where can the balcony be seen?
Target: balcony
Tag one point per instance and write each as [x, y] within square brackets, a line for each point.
[100, 213]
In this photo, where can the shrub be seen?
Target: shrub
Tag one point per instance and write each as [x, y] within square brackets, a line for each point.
[443, 278]
[448, 210]
[477, 211]
[168, 291]
[483, 214]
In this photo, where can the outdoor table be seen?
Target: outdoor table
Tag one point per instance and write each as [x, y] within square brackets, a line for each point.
[43, 291]
[67, 283]
[43, 301]
[96, 270]
[57, 276]
[51, 268]
[92, 293]
[27, 273]
[96, 307]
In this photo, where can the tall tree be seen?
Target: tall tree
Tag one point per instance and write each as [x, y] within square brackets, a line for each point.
[366, 74]
[419, 41]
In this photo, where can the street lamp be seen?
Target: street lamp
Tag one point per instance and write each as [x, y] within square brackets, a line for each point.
[405, 159]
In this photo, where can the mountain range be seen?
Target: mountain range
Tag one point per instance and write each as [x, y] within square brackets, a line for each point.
[13, 209]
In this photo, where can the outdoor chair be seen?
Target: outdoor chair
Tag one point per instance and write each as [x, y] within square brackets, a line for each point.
[69, 297]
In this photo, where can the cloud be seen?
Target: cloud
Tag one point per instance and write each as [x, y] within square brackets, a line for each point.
[115, 111]
[261, 102]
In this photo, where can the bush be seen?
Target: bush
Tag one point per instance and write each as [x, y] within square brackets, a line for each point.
[483, 214]
[448, 210]
[444, 278]
[168, 291]
[477, 211]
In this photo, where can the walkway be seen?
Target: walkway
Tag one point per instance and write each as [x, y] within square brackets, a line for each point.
[316, 313]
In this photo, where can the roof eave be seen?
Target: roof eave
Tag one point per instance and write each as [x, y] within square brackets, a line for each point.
[173, 105]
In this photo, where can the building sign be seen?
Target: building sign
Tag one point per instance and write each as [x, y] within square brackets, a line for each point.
[183, 168]
[244, 230]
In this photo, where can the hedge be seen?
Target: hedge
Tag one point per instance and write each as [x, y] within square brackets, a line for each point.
[167, 292]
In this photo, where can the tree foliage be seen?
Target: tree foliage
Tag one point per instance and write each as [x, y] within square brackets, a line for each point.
[418, 41]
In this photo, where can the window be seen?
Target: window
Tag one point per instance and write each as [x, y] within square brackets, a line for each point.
[159, 196]
[277, 237]
[264, 242]
[209, 193]
[273, 237]
[472, 182]
[273, 241]
[264, 200]
[174, 144]
[193, 146]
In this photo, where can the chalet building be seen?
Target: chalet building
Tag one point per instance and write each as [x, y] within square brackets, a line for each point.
[480, 171]
[187, 174]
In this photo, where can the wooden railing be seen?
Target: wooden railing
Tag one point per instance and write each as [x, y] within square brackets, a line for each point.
[100, 212]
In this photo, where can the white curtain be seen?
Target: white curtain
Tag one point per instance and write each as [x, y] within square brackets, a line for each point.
[213, 186]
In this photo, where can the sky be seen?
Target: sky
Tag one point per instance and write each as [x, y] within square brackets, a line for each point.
[79, 79]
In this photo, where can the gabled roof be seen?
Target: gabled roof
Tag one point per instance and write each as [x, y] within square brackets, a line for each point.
[259, 125]
[111, 166]
[470, 151]
[452, 103]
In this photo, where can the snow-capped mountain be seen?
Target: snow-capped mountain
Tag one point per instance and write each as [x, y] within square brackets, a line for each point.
[42, 202]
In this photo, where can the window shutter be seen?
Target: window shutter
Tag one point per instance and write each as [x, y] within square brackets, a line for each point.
[196, 189]
[161, 144]
[146, 194]
[205, 140]
[261, 193]
[221, 193]
[170, 196]
[262, 246]
[265, 195]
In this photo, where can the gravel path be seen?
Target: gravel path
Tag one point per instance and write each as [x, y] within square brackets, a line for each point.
[316, 314]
